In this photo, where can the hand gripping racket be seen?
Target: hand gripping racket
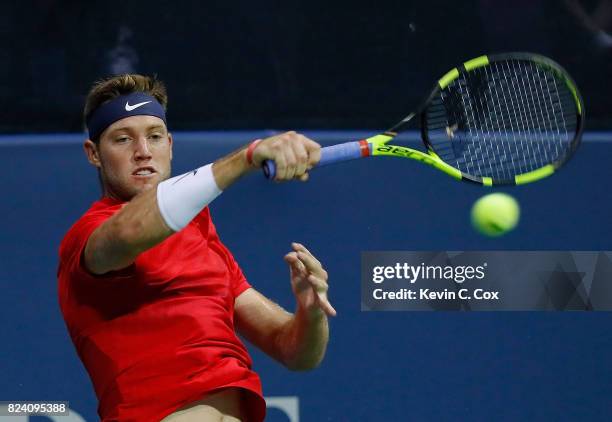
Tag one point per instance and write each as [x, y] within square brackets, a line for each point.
[504, 119]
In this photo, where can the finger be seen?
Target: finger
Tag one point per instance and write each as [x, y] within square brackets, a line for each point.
[301, 285]
[298, 247]
[295, 263]
[310, 144]
[328, 308]
[301, 156]
[320, 287]
[309, 261]
[304, 177]
[291, 257]
[314, 152]
[281, 166]
[291, 161]
[312, 266]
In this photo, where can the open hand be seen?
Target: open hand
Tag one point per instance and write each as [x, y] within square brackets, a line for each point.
[308, 280]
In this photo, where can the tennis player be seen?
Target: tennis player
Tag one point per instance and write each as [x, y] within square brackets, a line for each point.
[151, 297]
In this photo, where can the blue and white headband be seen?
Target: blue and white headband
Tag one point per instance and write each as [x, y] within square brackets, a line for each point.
[134, 104]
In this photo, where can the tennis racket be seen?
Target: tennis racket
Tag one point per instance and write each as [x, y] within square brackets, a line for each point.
[504, 119]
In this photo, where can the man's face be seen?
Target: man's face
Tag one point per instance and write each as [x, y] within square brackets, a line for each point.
[133, 155]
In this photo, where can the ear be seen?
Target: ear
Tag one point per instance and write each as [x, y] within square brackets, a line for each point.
[92, 152]
[170, 140]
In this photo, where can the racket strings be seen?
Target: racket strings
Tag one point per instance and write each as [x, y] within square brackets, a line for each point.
[501, 120]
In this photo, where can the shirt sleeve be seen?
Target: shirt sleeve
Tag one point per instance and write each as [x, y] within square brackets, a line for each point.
[238, 282]
[73, 247]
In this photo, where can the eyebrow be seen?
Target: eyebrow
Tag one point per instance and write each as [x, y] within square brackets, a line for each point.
[128, 128]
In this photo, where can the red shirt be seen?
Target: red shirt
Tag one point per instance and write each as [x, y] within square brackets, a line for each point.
[158, 334]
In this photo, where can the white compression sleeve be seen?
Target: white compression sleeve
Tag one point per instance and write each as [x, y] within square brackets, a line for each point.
[182, 197]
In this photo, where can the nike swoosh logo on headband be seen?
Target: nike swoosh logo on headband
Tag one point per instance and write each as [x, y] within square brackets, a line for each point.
[129, 107]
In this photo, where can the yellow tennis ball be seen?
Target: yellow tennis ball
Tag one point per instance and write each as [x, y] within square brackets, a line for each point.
[495, 214]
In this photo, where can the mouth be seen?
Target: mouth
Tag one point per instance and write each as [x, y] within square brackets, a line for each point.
[144, 172]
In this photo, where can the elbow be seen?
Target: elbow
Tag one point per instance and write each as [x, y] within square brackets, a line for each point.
[127, 234]
[109, 248]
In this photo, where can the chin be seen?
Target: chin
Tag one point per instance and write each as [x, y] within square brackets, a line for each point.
[142, 188]
[127, 189]
[148, 186]
[145, 187]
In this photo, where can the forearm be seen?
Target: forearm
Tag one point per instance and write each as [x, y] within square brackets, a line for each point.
[230, 168]
[149, 218]
[145, 218]
[143, 222]
[152, 216]
[302, 341]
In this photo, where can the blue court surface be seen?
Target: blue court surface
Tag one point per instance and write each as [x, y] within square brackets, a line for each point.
[394, 366]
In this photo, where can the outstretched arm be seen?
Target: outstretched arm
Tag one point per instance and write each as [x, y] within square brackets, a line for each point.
[142, 224]
[296, 340]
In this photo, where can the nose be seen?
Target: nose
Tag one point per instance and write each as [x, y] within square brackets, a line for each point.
[142, 150]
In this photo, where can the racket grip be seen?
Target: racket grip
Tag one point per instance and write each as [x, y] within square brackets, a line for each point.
[329, 155]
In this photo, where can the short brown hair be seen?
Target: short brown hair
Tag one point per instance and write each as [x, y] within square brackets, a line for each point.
[105, 90]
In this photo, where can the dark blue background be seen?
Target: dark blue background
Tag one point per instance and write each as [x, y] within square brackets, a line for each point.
[379, 366]
[279, 63]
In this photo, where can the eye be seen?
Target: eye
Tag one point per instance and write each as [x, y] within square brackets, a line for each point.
[156, 136]
[122, 139]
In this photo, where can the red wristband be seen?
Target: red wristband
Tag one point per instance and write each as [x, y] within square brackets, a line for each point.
[250, 149]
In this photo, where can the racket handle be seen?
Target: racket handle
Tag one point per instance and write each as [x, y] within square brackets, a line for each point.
[329, 155]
